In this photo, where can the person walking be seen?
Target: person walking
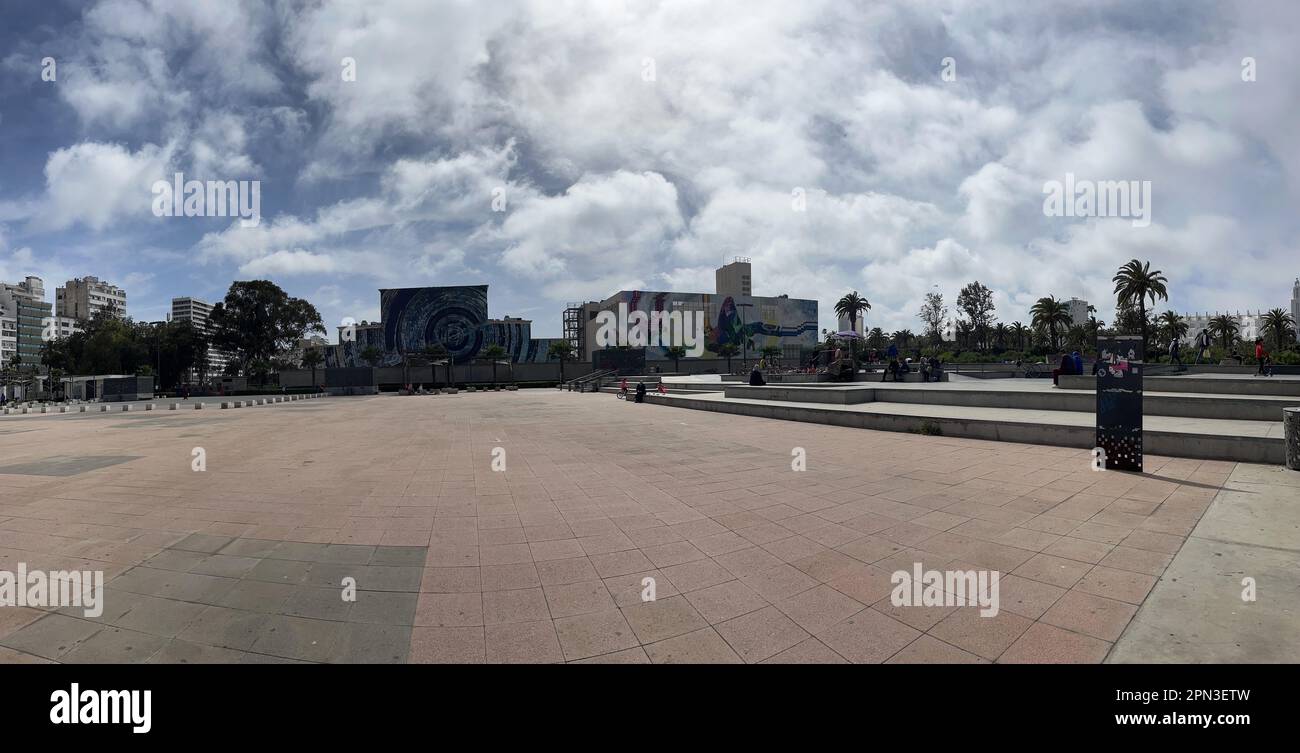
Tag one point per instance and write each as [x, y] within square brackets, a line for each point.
[1260, 355]
[1173, 354]
[1203, 346]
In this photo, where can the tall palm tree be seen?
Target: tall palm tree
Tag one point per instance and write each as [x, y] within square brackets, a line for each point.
[1278, 324]
[850, 306]
[1225, 328]
[562, 350]
[902, 337]
[1049, 313]
[1018, 331]
[311, 358]
[1000, 333]
[876, 339]
[1172, 325]
[1134, 284]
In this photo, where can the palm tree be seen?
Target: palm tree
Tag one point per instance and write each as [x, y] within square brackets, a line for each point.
[370, 355]
[1172, 325]
[1018, 331]
[1134, 284]
[563, 350]
[850, 306]
[902, 337]
[1225, 328]
[1000, 335]
[728, 351]
[876, 339]
[677, 353]
[1279, 324]
[311, 358]
[1048, 313]
[493, 353]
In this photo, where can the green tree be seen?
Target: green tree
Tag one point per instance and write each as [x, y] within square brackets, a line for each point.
[728, 351]
[562, 350]
[934, 313]
[1279, 325]
[370, 355]
[976, 301]
[876, 339]
[1018, 332]
[1225, 328]
[851, 306]
[1135, 283]
[676, 353]
[1172, 326]
[1049, 314]
[258, 321]
[493, 353]
[311, 358]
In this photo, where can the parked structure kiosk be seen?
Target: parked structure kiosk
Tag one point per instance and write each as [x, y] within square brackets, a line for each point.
[1119, 367]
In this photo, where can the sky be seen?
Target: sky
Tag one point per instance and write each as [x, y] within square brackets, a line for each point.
[561, 150]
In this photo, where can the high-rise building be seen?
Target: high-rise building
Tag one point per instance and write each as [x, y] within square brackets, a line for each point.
[24, 302]
[734, 279]
[84, 297]
[1078, 309]
[1295, 306]
[8, 337]
[196, 312]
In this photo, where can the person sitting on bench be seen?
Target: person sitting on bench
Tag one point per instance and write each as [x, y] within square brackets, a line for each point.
[1066, 367]
[936, 369]
[892, 368]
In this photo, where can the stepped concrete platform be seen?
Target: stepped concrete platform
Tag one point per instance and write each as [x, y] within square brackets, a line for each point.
[1023, 394]
[1205, 438]
[1281, 385]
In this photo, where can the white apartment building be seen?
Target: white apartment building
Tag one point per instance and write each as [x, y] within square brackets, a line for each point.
[1248, 324]
[8, 337]
[1078, 309]
[196, 311]
[84, 297]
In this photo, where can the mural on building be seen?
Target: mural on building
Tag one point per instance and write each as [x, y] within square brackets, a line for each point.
[767, 321]
[455, 316]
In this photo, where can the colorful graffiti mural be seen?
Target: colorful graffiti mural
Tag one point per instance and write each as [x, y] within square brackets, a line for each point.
[765, 321]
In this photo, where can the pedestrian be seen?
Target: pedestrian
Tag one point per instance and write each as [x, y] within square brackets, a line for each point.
[640, 391]
[1173, 353]
[1203, 346]
[1260, 355]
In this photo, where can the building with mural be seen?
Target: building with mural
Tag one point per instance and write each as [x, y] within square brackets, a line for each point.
[455, 317]
[730, 315]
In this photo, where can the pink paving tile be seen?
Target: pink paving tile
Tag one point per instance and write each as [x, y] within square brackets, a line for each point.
[1047, 644]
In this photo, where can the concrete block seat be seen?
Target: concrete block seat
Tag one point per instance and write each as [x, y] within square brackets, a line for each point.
[1215, 439]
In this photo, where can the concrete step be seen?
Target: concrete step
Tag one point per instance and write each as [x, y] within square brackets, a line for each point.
[1204, 438]
[1184, 405]
[1274, 386]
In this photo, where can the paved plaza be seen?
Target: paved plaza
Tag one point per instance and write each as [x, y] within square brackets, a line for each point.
[523, 526]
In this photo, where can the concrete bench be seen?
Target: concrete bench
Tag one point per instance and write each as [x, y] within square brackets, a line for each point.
[198, 406]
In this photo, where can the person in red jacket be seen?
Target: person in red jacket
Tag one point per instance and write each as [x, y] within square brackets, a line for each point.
[1260, 356]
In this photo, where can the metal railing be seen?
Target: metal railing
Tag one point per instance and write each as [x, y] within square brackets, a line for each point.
[580, 383]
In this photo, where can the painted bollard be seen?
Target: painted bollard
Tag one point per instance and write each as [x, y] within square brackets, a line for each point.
[1291, 432]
